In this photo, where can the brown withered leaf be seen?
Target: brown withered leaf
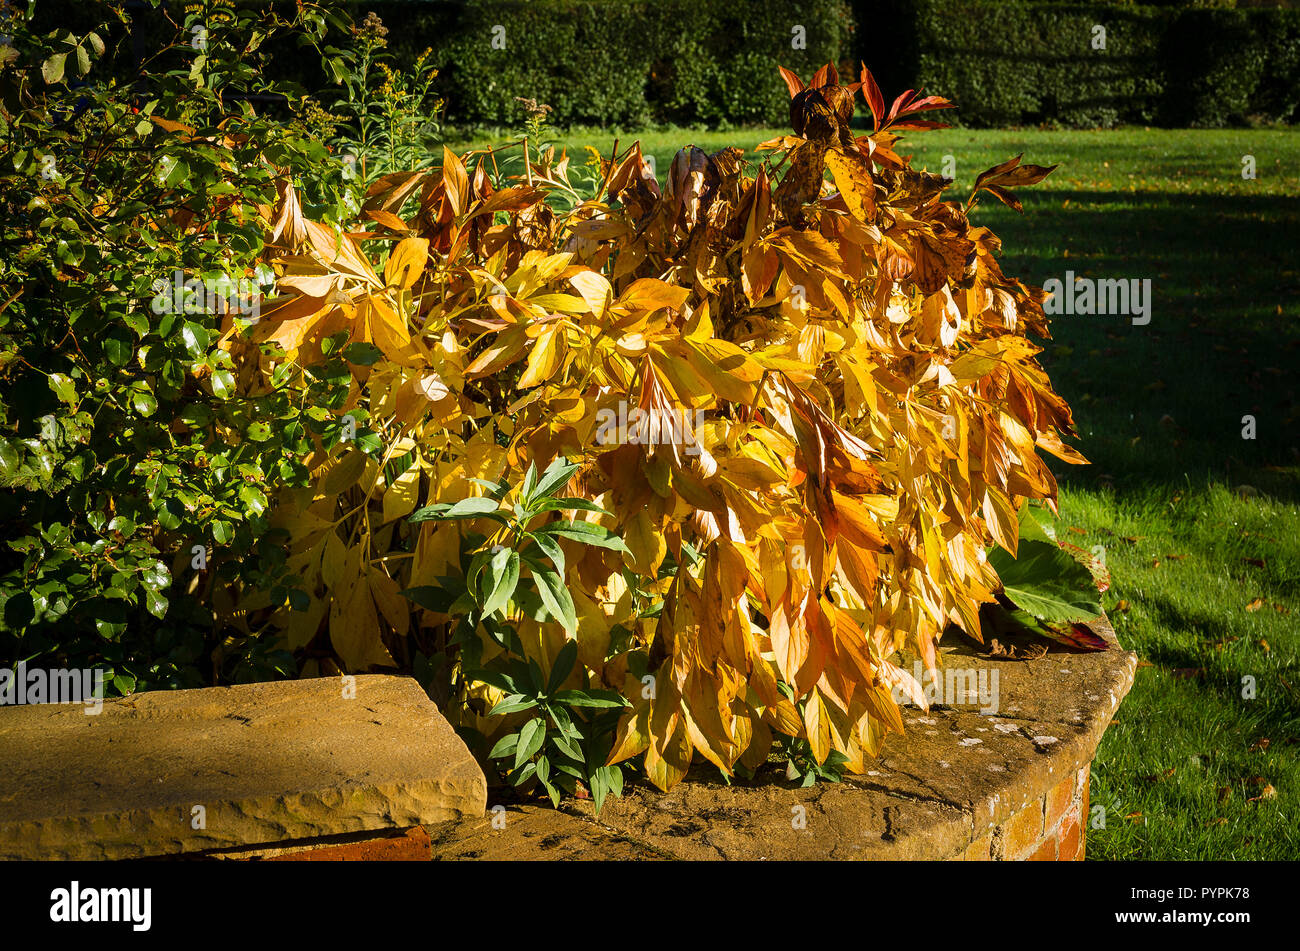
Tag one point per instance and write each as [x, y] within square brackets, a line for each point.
[1010, 174]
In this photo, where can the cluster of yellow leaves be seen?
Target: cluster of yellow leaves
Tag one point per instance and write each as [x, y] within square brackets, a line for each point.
[838, 409]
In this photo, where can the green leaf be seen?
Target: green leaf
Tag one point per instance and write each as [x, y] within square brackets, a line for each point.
[503, 572]
[195, 339]
[52, 68]
[557, 599]
[566, 504]
[118, 349]
[588, 533]
[362, 354]
[253, 497]
[557, 474]
[1047, 582]
[63, 388]
[505, 746]
[144, 402]
[223, 384]
[530, 484]
[1036, 524]
[531, 738]
[591, 698]
[430, 597]
[19, 609]
[551, 549]
[465, 508]
[568, 747]
[512, 704]
[495, 678]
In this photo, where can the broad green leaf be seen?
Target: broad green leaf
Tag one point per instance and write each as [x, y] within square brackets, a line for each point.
[591, 698]
[1047, 582]
[557, 474]
[505, 746]
[504, 576]
[531, 738]
[551, 549]
[588, 533]
[465, 508]
[556, 597]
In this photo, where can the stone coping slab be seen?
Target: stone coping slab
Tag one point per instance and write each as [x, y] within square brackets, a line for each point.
[959, 783]
[267, 763]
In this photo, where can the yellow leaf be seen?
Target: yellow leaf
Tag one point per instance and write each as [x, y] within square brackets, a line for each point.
[645, 544]
[333, 563]
[818, 726]
[650, 293]
[595, 290]
[354, 631]
[852, 175]
[402, 495]
[406, 263]
[344, 473]
[543, 360]
[395, 608]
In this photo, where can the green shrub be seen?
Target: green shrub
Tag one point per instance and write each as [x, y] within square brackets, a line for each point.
[135, 460]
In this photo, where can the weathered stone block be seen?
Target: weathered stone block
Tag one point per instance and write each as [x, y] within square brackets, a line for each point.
[191, 770]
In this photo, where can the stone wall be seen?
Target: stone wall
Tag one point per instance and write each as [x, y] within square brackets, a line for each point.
[365, 772]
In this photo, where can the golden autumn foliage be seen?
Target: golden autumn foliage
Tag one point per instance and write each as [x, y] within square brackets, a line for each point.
[807, 401]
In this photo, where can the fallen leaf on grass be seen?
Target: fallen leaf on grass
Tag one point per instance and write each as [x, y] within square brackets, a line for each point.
[1264, 644]
[1187, 673]
[1257, 562]
[1225, 793]
[1122, 606]
[1255, 605]
[1260, 744]
[1268, 792]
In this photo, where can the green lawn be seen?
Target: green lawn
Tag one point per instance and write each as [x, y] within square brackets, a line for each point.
[1201, 526]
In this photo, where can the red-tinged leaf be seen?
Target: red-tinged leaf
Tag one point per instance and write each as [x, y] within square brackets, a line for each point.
[920, 124]
[1076, 635]
[871, 92]
[897, 107]
[792, 82]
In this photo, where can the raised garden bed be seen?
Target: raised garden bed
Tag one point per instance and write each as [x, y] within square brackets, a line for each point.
[301, 770]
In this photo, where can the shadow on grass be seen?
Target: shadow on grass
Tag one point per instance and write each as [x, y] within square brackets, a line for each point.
[1165, 401]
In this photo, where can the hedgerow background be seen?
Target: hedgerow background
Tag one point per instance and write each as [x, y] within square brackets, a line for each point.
[628, 62]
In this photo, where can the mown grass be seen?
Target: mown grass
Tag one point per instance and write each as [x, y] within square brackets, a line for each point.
[1201, 527]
